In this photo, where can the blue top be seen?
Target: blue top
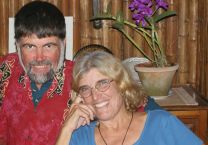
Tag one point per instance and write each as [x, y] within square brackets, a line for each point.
[161, 128]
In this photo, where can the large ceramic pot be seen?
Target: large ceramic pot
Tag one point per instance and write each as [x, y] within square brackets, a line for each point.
[156, 81]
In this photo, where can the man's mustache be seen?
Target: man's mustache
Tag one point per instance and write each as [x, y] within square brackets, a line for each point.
[39, 63]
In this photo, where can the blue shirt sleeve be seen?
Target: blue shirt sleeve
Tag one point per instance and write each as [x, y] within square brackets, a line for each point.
[180, 133]
[163, 128]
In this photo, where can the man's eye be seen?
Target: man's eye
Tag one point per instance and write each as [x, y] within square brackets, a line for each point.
[28, 46]
[50, 46]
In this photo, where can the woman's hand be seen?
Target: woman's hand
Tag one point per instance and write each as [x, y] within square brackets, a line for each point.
[77, 115]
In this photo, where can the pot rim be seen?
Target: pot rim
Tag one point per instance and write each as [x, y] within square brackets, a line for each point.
[156, 69]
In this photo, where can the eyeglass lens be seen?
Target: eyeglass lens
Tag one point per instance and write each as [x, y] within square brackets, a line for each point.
[101, 86]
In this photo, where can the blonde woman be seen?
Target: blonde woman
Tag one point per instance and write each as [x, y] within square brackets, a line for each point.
[104, 113]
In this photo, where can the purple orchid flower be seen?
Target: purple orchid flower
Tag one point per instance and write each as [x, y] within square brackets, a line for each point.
[144, 9]
[139, 18]
[161, 4]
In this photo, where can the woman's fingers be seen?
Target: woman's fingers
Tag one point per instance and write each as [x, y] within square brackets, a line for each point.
[88, 110]
[77, 99]
[78, 115]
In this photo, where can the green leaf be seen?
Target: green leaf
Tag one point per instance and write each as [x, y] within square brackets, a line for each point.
[117, 25]
[119, 17]
[164, 15]
[102, 17]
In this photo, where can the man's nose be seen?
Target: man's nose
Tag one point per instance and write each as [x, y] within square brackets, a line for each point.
[40, 54]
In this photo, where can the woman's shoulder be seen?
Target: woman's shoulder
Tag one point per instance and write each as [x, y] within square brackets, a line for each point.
[159, 116]
[159, 113]
[164, 128]
[163, 118]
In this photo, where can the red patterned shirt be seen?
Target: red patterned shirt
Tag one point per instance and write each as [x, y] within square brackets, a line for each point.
[21, 123]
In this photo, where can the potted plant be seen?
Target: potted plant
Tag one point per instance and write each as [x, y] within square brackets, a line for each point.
[146, 15]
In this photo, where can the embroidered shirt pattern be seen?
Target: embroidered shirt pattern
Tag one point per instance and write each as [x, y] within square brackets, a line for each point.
[5, 73]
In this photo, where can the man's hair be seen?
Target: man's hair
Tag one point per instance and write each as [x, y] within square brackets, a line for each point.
[40, 18]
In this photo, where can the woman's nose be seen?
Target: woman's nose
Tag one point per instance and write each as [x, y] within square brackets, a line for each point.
[95, 93]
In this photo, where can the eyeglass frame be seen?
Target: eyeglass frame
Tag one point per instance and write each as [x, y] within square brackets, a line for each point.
[96, 88]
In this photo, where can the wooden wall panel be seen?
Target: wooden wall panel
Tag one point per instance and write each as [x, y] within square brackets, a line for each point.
[184, 36]
[85, 13]
[182, 41]
[116, 36]
[105, 31]
[202, 49]
[13, 7]
[4, 14]
[74, 10]
[171, 34]
[192, 39]
[127, 47]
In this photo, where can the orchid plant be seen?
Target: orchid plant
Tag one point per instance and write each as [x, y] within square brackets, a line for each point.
[145, 15]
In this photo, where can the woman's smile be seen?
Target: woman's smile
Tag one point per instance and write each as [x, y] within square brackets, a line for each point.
[102, 104]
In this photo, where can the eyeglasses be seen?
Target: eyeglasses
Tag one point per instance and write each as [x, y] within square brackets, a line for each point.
[101, 86]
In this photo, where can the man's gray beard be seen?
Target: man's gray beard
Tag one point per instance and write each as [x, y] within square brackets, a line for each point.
[41, 78]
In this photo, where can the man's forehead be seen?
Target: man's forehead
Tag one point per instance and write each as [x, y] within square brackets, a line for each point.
[33, 39]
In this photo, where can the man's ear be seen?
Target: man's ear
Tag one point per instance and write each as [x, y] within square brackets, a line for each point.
[18, 49]
[16, 46]
[65, 43]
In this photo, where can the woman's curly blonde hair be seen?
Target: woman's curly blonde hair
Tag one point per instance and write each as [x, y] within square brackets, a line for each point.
[112, 67]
